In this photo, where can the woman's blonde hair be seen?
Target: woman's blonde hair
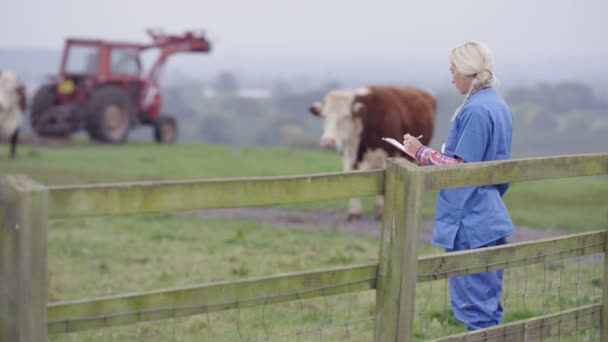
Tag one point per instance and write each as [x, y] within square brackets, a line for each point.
[474, 59]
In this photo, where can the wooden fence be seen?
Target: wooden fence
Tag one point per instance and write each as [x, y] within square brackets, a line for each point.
[26, 207]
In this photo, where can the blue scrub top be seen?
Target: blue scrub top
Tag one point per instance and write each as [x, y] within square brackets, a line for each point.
[482, 131]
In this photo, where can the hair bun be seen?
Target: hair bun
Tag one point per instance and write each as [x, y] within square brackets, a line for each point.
[486, 78]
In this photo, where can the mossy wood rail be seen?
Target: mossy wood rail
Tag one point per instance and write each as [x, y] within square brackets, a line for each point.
[181, 195]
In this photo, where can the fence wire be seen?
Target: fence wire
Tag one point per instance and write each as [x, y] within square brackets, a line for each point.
[529, 291]
[552, 288]
[344, 317]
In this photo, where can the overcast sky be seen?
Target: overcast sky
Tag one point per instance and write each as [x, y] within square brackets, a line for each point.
[325, 28]
[353, 41]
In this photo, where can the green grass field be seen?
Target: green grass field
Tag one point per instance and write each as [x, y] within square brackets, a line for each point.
[103, 256]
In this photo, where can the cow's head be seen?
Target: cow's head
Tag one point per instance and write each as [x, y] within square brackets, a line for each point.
[9, 90]
[341, 115]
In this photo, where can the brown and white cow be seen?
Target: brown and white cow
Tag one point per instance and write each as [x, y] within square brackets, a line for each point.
[355, 122]
[12, 105]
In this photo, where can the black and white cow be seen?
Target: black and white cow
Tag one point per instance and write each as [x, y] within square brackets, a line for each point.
[12, 105]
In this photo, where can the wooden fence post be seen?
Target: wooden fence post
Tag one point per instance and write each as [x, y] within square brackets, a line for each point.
[23, 259]
[604, 312]
[398, 260]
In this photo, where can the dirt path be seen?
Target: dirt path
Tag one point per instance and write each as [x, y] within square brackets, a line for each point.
[326, 219]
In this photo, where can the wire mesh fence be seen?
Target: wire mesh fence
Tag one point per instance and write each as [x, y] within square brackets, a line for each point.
[551, 296]
[553, 288]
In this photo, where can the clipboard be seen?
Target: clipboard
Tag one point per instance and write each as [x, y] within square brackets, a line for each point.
[395, 143]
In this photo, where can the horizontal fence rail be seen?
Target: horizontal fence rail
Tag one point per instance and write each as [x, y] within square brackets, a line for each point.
[515, 170]
[160, 196]
[131, 308]
[149, 197]
[535, 329]
[510, 255]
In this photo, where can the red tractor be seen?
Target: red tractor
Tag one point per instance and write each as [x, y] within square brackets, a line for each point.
[101, 88]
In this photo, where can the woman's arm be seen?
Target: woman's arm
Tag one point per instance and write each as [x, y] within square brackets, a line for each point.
[428, 156]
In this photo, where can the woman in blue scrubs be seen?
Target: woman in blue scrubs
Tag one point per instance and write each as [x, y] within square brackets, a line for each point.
[473, 217]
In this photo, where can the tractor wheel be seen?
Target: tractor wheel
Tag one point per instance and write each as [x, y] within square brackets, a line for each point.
[109, 115]
[165, 130]
[44, 99]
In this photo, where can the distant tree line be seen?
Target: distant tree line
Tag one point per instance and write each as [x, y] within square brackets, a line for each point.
[549, 119]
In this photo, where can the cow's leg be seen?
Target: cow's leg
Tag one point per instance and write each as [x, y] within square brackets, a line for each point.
[355, 208]
[14, 142]
[380, 199]
[375, 159]
[379, 207]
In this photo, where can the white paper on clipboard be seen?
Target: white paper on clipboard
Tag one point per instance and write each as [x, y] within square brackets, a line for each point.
[395, 143]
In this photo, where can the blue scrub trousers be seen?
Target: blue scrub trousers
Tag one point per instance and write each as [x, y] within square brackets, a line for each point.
[476, 298]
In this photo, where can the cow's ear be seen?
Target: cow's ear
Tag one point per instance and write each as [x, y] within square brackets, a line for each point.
[359, 109]
[315, 108]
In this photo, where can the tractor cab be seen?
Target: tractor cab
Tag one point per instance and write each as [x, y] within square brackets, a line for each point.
[104, 59]
[81, 59]
[88, 63]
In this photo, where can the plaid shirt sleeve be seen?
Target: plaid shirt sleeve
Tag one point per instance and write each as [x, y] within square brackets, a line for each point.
[428, 156]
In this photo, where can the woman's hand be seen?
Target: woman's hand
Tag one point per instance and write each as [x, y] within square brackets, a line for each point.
[411, 145]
